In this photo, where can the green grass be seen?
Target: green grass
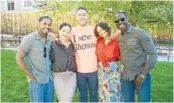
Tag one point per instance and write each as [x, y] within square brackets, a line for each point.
[162, 82]
[14, 86]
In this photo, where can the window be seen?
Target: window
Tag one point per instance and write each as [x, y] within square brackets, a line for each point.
[10, 4]
[27, 4]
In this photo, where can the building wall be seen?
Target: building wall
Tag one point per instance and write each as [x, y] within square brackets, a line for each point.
[3, 4]
[18, 5]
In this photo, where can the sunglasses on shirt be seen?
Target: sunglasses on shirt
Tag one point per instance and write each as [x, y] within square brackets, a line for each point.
[120, 20]
[45, 52]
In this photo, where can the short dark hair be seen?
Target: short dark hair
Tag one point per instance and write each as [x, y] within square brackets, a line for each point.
[104, 26]
[121, 11]
[64, 24]
[81, 8]
[43, 17]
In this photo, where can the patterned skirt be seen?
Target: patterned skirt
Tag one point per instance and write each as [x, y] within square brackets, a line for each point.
[109, 83]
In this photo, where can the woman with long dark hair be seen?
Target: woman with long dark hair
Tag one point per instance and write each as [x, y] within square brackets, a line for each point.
[108, 54]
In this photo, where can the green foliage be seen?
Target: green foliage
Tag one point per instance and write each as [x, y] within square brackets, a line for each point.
[155, 16]
[14, 86]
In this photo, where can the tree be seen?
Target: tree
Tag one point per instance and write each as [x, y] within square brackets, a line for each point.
[155, 16]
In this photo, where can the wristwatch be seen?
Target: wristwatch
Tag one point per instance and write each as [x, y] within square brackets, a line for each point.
[142, 76]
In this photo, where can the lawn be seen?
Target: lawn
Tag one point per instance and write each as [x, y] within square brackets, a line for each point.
[14, 86]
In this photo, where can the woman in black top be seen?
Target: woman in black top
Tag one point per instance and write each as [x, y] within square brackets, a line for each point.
[62, 55]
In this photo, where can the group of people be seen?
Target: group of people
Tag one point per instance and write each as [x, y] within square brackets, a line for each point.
[110, 68]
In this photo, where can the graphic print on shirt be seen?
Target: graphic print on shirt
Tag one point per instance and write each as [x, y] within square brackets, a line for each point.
[84, 42]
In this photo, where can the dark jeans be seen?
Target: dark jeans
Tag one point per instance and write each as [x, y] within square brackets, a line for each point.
[89, 80]
[128, 88]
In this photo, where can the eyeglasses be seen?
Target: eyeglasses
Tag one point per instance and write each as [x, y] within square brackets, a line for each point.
[45, 52]
[121, 19]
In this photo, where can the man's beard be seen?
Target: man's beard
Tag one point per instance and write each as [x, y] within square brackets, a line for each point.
[43, 32]
[46, 31]
[83, 24]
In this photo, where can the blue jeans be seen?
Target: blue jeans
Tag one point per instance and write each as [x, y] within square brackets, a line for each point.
[128, 90]
[41, 92]
[90, 80]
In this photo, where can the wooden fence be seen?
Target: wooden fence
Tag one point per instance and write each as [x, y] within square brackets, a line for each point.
[15, 25]
[24, 22]
[27, 21]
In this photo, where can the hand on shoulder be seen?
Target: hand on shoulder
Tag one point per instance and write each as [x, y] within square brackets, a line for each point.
[53, 36]
[115, 35]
